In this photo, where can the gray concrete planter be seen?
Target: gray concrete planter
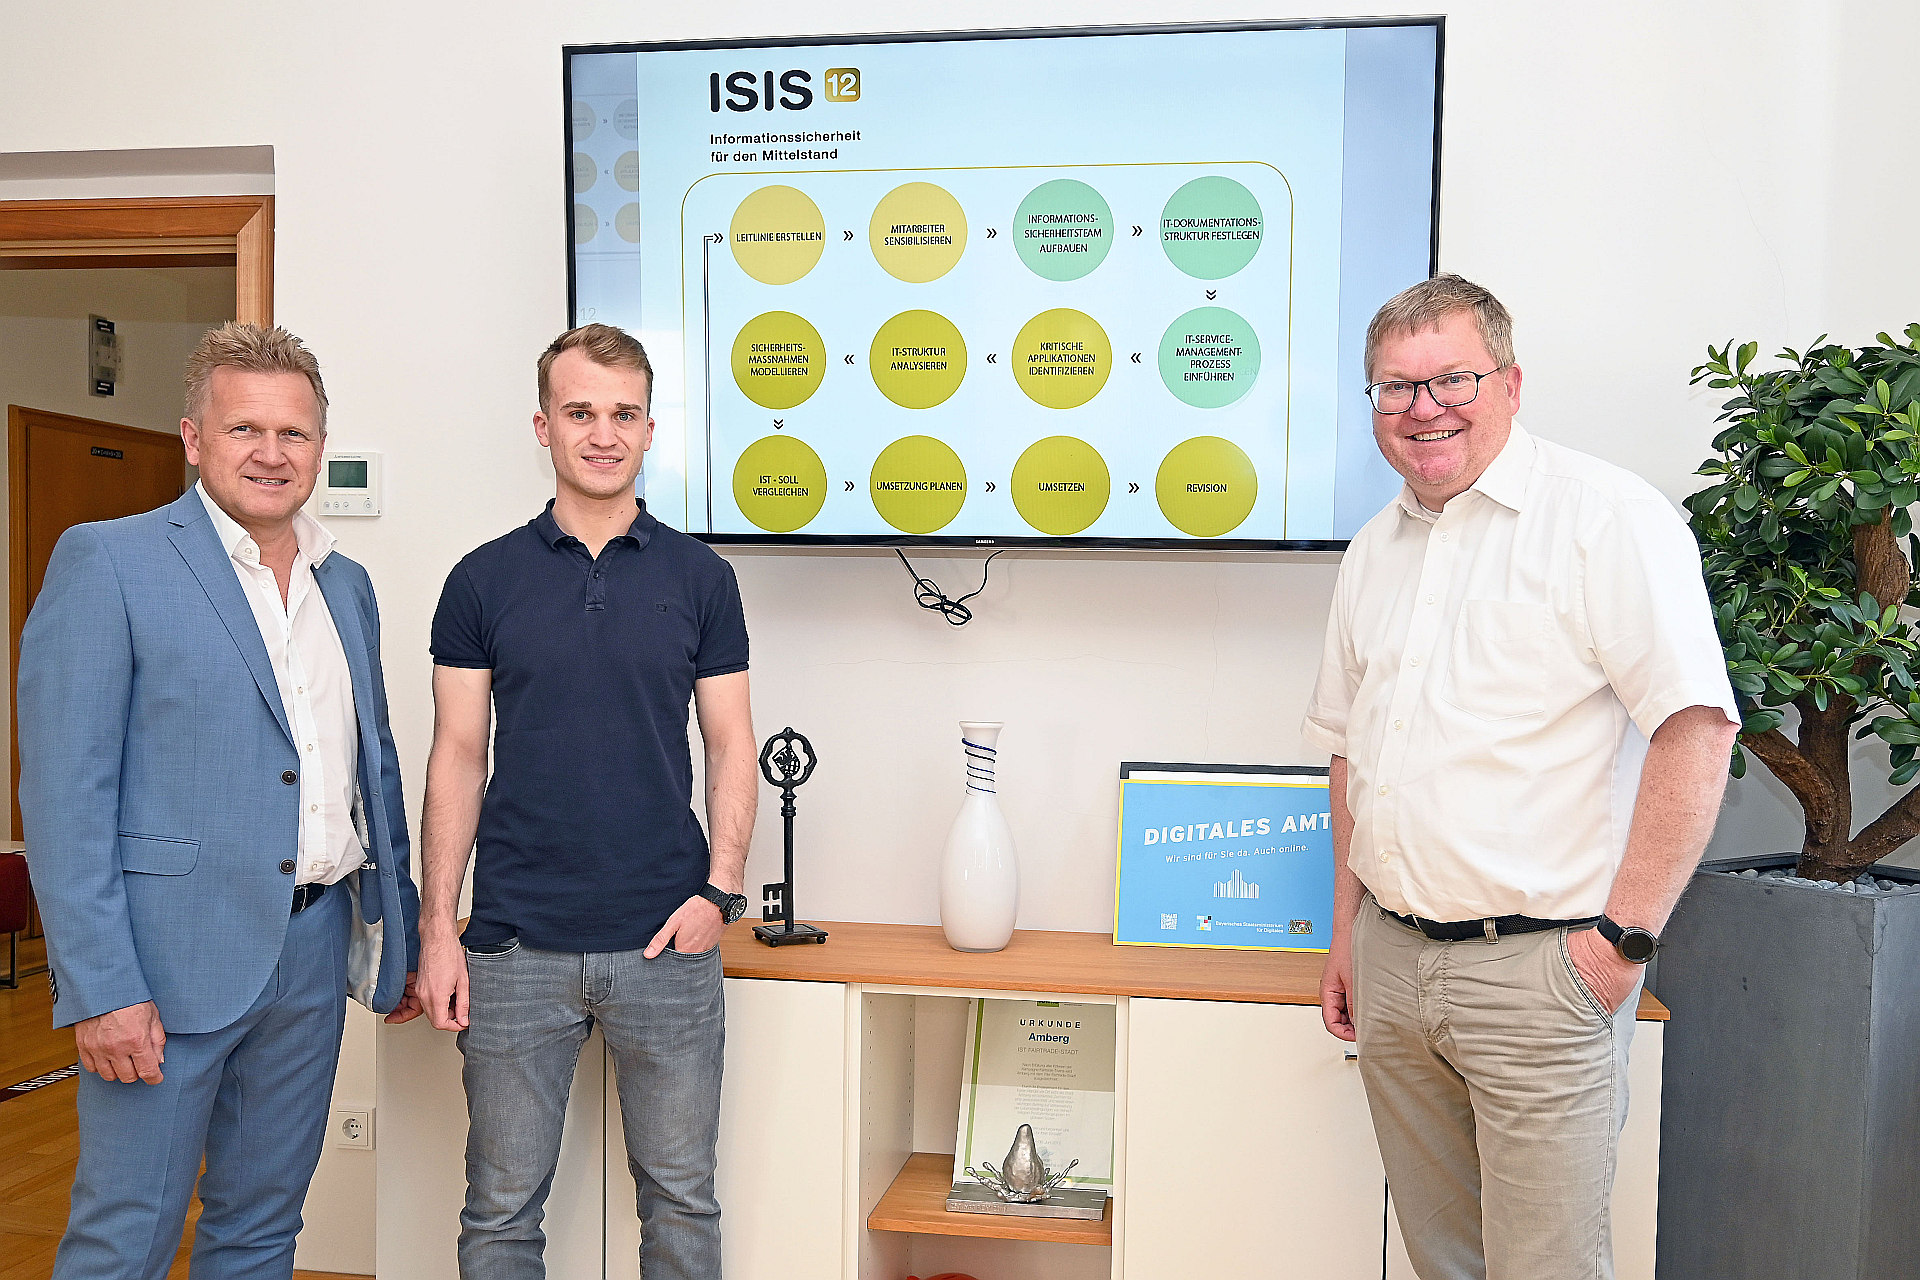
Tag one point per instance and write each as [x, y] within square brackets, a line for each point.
[1790, 1111]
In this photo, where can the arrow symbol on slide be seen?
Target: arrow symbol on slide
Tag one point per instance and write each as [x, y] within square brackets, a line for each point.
[1136, 228]
[846, 235]
[1136, 357]
[992, 356]
[1212, 294]
[1132, 487]
[849, 357]
[779, 424]
[989, 486]
[992, 232]
[716, 238]
[849, 486]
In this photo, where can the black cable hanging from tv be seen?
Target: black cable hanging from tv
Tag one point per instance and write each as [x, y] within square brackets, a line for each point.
[927, 593]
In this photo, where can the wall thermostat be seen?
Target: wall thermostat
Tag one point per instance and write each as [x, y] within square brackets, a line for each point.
[350, 484]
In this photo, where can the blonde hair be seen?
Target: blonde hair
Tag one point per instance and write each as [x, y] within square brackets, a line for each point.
[1426, 304]
[601, 343]
[250, 349]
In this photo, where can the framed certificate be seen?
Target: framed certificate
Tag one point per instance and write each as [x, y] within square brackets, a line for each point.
[1224, 855]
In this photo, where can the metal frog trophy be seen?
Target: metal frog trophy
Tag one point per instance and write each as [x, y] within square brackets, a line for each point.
[786, 761]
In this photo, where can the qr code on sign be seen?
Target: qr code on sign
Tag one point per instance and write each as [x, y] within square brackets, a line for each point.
[1300, 926]
[1169, 921]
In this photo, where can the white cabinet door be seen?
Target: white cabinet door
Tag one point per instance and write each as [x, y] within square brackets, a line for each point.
[1249, 1150]
[782, 1137]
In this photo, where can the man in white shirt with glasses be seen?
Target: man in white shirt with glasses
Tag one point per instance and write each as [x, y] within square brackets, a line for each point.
[1529, 718]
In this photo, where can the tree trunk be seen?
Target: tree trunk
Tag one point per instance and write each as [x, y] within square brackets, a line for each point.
[1879, 566]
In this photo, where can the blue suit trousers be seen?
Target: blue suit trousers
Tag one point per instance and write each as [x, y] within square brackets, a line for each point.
[252, 1098]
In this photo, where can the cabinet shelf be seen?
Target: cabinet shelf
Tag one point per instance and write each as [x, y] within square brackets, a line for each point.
[917, 1203]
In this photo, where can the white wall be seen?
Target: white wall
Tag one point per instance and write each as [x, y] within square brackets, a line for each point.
[1635, 179]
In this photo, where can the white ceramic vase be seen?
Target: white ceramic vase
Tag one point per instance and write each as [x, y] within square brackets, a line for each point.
[980, 876]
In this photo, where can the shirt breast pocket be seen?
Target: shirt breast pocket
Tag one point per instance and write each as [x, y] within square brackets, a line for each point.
[1501, 666]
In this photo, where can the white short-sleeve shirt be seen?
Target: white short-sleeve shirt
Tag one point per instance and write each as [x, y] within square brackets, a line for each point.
[1492, 674]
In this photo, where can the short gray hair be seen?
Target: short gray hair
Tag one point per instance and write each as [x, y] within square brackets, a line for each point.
[249, 349]
[1426, 304]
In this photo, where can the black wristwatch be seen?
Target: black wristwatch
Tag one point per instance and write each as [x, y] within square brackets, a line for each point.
[1634, 944]
[732, 905]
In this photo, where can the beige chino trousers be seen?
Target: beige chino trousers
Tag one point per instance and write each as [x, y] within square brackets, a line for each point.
[1498, 1086]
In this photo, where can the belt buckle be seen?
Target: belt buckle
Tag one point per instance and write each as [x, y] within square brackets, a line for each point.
[1491, 929]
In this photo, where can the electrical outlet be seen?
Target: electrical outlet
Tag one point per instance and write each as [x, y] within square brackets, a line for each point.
[353, 1129]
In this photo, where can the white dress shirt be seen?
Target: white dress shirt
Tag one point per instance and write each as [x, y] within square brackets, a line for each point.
[316, 690]
[1492, 673]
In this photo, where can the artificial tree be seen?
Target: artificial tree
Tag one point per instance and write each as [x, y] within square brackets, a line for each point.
[1802, 542]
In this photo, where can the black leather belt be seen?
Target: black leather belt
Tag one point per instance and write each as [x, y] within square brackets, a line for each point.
[1488, 928]
[305, 895]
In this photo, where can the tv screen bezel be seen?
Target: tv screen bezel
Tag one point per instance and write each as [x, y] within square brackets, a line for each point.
[569, 52]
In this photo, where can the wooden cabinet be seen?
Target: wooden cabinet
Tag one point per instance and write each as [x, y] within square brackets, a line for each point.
[1242, 1142]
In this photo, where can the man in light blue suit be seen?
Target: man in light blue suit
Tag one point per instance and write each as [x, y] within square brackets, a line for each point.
[205, 764]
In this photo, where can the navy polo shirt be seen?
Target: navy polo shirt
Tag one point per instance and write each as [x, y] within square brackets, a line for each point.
[588, 840]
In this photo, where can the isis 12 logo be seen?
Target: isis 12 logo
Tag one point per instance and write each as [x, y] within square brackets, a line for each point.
[745, 91]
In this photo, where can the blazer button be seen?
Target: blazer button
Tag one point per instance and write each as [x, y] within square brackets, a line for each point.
[289, 777]
[286, 866]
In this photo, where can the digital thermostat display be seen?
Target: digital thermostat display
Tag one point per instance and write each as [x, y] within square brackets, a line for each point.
[351, 485]
[346, 473]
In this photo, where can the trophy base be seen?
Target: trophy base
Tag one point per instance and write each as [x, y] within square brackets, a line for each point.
[1062, 1202]
[783, 935]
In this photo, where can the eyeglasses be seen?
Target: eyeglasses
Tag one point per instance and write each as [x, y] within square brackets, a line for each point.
[1449, 391]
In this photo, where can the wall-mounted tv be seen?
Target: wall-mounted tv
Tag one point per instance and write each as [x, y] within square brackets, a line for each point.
[1090, 287]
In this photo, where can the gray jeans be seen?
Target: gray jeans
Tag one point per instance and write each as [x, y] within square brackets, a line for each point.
[1498, 1086]
[665, 1024]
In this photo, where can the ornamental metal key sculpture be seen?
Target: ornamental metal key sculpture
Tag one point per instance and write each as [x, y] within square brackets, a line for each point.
[786, 761]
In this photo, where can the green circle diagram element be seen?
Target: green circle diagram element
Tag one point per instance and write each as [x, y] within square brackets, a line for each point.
[1061, 358]
[918, 359]
[918, 484]
[778, 360]
[1206, 486]
[1209, 357]
[779, 483]
[777, 234]
[1061, 485]
[1063, 229]
[918, 232]
[1211, 228]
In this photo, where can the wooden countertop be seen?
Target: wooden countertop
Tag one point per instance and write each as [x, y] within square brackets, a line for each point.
[917, 955]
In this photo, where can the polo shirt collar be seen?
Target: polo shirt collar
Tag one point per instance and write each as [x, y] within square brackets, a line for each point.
[639, 533]
[314, 538]
[1504, 480]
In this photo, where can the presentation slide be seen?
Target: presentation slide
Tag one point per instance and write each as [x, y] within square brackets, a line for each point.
[1079, 288]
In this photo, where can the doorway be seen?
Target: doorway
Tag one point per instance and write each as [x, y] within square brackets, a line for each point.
[232, 232]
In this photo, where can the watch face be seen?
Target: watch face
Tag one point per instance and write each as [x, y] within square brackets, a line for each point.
[1638, 945]
[736, 906]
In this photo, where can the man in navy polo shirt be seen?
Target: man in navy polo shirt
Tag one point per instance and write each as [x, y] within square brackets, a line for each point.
[596, 897]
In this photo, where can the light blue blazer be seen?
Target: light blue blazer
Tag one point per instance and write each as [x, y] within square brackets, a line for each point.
[153, 748]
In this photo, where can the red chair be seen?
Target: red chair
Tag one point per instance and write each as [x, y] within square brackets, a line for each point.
[14, 912]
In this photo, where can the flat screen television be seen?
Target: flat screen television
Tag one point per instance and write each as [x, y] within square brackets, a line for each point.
[1099, 287]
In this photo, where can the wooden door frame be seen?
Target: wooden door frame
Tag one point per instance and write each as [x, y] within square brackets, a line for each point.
[175, 231]
[160, 231]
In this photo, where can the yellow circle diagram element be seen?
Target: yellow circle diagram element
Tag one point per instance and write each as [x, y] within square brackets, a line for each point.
[584, 173]
[918, 232]
[777, 235]
[778, 360]
[1062, 358]
[1206, 486]
[918, 359]
[918, 484]
[1061, 485]
[779, 483]
[627, 223]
